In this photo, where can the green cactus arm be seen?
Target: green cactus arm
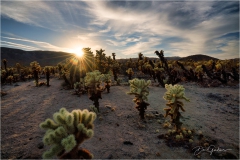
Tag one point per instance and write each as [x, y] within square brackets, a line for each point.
[50, 138]
[69, 118]
[77, 116]
[187, 99]
[80, 127]
[48, 124]
[61, 132]
[90, 133]
[167, 111]
[46, 138]
[181, 107]
[69, 143]
[87, 119]
[179, 103]
[53, 151]
[59, 118]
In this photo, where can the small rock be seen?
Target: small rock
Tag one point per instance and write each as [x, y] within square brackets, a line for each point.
[108, 106]
[40, 145]
[127, 143]
[158, 154]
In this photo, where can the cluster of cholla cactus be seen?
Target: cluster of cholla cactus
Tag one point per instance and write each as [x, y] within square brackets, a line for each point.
[171, 72]
[93, 81]
[66, 132]
[139, 88]
[173, 95]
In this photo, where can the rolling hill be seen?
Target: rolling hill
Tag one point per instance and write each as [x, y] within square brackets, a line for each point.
[198, 57]
[44, 58]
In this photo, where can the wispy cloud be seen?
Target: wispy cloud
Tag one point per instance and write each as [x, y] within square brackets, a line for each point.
[129, 27]
[3, 43]
[41, 45]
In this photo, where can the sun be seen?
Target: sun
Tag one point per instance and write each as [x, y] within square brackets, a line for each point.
[77, 51]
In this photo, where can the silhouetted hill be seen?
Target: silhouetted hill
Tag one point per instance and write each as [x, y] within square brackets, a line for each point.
[198, 57]
[44, 58]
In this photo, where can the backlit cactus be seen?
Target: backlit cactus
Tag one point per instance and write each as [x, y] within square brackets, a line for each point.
[173, 95]
[66, 132]
[107, 80]
[93, 81]
[10, 79]
[130, 73]
[140, 89]
[36, 69]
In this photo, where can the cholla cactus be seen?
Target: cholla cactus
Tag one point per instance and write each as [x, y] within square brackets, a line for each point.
[199, 72]
[130, 73]
[119, 80]
[47, 71]
[173, 94]
[66, 132]
[139, 88]
[107, 80]
[156, 69]
[3, 76]
[115, 70]
[10, 79]
[218, 67]
[35, 68]
[16, 77]
[93, 81]
[79, 88]
[77, 85]
[92, 108]
[199, 69]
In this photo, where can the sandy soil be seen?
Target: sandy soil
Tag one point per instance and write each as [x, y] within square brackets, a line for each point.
[214, 111]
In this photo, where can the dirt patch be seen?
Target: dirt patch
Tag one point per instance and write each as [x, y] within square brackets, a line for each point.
[118, 133]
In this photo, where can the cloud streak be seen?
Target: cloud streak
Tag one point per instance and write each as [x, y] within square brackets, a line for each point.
[40, 44]
[129, 27]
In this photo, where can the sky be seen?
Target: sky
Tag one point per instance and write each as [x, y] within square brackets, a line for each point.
[179, 28]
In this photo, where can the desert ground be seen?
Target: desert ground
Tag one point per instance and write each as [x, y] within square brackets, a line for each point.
[213, 110]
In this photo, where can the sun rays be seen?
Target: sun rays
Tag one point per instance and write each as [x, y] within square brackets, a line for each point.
[80, 63]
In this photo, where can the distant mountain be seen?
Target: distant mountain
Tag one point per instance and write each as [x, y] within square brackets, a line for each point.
[198, 57]
[44, 58]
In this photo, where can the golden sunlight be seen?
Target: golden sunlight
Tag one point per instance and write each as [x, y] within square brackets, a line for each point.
[77, 51]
